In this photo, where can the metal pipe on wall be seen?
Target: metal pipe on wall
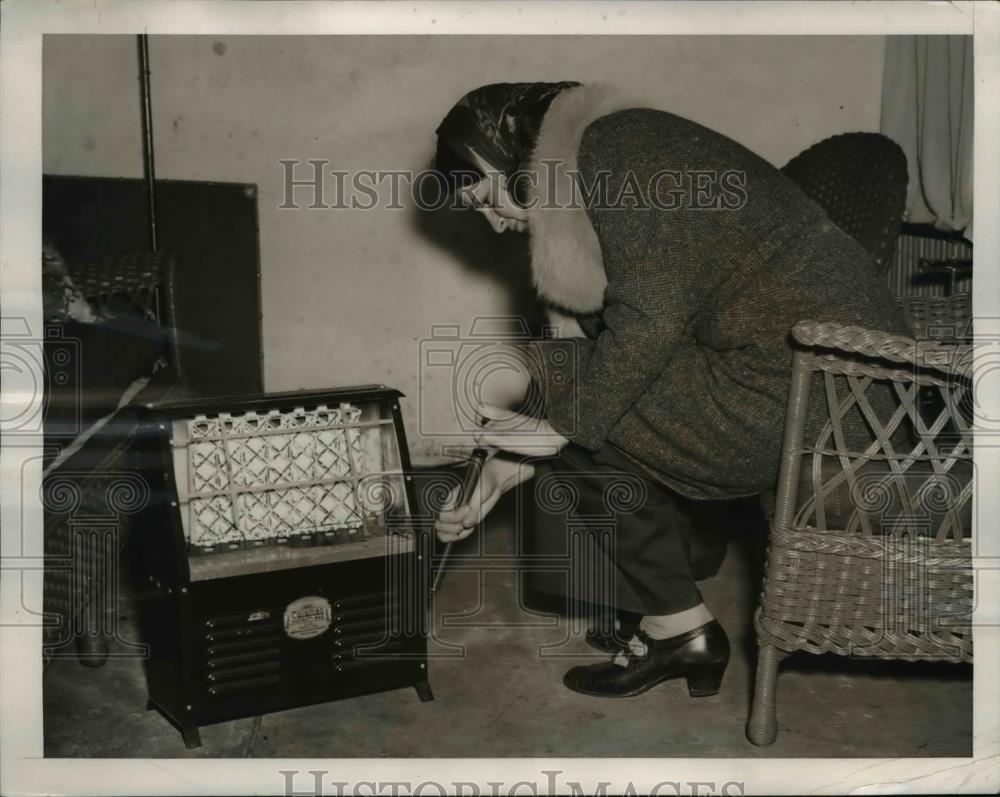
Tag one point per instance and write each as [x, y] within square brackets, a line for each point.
[148, 160]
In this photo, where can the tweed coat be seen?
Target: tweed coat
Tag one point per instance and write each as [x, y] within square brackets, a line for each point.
[685, 267]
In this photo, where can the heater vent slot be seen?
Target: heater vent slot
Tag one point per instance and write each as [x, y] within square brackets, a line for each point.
[257, 617]
[364, 652]
[375, 655]
[238, 686]
[242, 645]
[241, 673]
[378, 624]
[237, 639]
[241, 653]
[219, 662]
[370, 612]
[349, 642]
[361, 601]
[228, 634]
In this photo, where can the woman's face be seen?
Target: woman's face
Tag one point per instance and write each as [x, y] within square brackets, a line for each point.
[491, 197]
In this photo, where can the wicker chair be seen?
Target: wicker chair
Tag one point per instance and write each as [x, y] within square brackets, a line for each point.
[87, 493]
[947, 319]
[869, 551]
[860, 180]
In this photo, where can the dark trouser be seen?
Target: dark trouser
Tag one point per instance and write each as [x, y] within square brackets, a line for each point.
[606, 534]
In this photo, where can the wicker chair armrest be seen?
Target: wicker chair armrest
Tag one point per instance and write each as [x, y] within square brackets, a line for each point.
[955, 359]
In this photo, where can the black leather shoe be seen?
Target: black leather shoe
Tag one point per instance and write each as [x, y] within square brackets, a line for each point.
[614, 640]
[700, 656]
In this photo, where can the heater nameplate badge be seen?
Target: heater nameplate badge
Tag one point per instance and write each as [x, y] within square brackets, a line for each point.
[307, 617]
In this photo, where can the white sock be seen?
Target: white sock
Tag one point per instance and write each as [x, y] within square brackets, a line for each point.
[663, 626]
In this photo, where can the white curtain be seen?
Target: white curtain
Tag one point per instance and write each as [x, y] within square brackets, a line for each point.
[927, 103]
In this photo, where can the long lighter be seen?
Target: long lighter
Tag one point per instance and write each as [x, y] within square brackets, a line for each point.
[472, 473]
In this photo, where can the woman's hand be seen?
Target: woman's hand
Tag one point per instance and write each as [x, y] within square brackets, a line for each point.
[519, 434]
[498, 475]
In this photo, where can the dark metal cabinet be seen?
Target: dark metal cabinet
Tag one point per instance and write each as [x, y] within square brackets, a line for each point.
[299, 613]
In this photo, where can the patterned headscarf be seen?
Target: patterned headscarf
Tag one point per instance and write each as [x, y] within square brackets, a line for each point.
[499, 121]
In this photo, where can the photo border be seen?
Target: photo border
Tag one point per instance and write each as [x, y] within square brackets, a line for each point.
[23, 768]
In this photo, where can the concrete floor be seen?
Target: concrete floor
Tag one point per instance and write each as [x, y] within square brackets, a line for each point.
[504, 696]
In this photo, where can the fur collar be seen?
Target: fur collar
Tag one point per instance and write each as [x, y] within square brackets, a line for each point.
[566, 261]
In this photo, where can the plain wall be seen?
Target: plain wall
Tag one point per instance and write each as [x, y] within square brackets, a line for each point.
[348, 295]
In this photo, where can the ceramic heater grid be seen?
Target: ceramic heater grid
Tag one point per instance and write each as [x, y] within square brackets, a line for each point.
[261, 478]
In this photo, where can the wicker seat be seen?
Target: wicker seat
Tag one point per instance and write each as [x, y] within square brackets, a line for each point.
[869, 552]
[860, 180]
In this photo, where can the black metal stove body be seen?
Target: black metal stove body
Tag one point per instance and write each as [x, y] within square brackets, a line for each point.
[281, 558]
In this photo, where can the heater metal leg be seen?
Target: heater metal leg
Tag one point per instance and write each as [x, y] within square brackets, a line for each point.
[192, 738]
[424, 691]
